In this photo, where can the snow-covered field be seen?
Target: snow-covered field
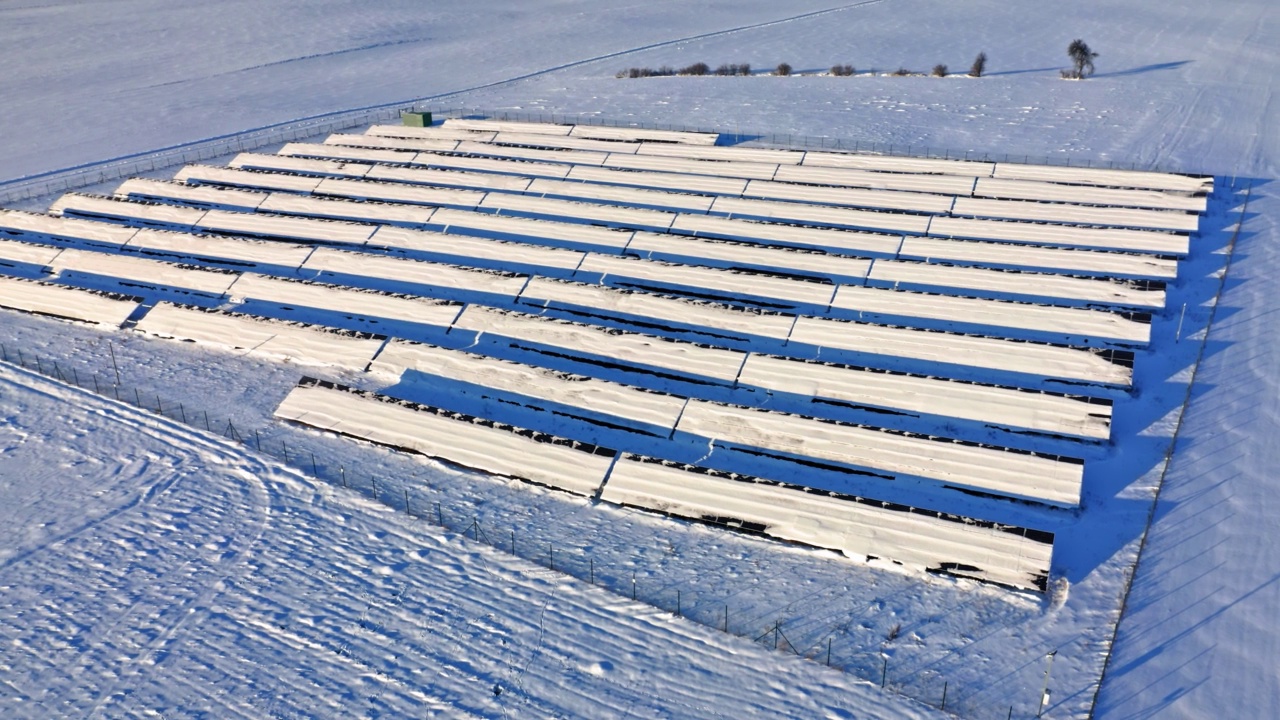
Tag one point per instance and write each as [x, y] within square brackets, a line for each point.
[182, 597]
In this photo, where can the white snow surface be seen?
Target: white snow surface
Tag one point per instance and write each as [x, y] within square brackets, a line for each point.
[150, 567]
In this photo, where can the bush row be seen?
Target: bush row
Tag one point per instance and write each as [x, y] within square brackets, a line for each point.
[978, 67]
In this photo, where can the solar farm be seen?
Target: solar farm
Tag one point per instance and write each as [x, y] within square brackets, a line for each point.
[917, 360]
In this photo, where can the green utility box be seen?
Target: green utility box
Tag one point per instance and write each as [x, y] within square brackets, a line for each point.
[416, 119]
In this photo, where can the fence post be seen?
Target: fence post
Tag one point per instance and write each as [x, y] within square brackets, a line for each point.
[314, 471]
[407, 511]
[111, 349]
[439, 515]
[592, 565]
[633, 584]
[884, 672]
[944, 697]
[180, 408]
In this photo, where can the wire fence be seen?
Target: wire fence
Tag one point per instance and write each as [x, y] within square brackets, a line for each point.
[67, 179]
[822, 645]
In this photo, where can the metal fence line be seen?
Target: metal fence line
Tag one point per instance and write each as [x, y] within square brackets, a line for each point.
[67, 179]
[574, 562]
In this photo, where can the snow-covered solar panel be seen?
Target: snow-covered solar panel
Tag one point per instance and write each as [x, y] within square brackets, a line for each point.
[450, 178]
[67, 303]
[692, 166]
[850, 197]
[1121, 239]
[347, 301]
[629, 196]
[629, 134]
[577, 157]
[398, 192]
[645, 352]
[1051, 259]
[438, 277]
[734, 153]
[261, 337]
[712, 282]
[721, 253]
[548, 232]
[372, 212]
[889, 163]
[350, 183]
[872, 180]
[706, 184]
[285, 227]
[858, 527]
[213, 248]
[1105, 177]
[892, 456]
[134, 213]
[435, 132]
[988, 354]
[501, 126]
[987, 404]
[36, 226]
[829, 239]
[984, 282]
[1076, 214]
[566, 142]
[358, 154]
[499, 165]
[806, 214]
[580, 211]
[197, 195]
[135, 271]
[209, 175]
[301, 166]
[489, 447]
[13, 252]
[482, 252]
[390, 143]
[1070, 325]
[575, 395]
[718, 321]
[1055, 192]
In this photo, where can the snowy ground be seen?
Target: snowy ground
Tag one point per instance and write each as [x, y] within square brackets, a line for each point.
[1187, 90]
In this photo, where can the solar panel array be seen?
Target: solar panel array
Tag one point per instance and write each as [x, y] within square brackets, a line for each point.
[812, 345]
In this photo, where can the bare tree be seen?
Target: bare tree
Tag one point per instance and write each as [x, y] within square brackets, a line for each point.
[979, 65]
[939, 70]
[783, 69]
[1081, 59]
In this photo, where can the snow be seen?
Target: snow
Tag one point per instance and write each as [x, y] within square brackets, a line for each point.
[1028, 477]
[497, 450]
[1189, 90]
[855, 528]
[57, 301]
[261, 337]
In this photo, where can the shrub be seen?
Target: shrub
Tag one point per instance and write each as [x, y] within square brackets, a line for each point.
[979, 65]
[724, 70]
[1081, 60]
[744, 69]
[939, 70]
[842, 70]
[696, 69]
[783, 69]
[901, 72]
